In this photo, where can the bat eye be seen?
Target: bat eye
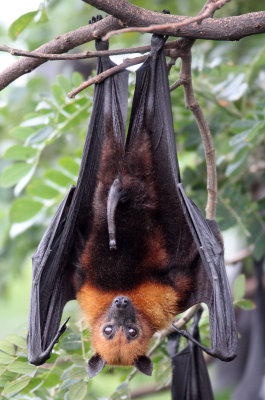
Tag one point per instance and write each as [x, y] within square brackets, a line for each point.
[108, 330]
[132, 332]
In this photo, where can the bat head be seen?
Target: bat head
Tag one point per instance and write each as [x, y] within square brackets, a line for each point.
[120, 337]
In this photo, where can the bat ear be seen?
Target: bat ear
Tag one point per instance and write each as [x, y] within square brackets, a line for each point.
[144, 365]
[95, 365]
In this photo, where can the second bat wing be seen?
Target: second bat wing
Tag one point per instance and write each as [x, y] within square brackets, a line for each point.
[186, 228]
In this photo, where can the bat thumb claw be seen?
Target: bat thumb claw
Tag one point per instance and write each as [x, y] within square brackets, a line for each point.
[112, 244]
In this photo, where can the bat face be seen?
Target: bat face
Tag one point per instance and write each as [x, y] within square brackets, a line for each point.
[122, 325]
[120, 337]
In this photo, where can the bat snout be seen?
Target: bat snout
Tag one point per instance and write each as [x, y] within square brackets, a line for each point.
[121, 302]
[121, 310]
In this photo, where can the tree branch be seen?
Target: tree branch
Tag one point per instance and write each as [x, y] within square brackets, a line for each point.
[78, 56]
[105, 74]
[231, 28]
[193, 105]
[60, 44]
[209, 9]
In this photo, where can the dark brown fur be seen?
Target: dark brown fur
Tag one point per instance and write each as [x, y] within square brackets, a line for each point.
[141, 267]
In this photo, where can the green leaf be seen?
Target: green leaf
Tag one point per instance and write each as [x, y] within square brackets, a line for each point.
[40, 136]
[16, 385]
[51, 380]
[40, 189]
[5, 358]
[58, 94]
[58, 177]
[239, 287]
[78, 391]
[7, 347]
[259, 247]
[20, 24]
[234, 168]
[6, 376]
[22, 368]
[14, 173]
[19, 152]
[64, 83]
[24, 209]
[246, 304]
[41, 16]
[78, 373]
[34, 120]
[75, 119]
[242, 125]
[70, 165]
[78, 360]
[77, 78]
[21, 133]
[17, 340]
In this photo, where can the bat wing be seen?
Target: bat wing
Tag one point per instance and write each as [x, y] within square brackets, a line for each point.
[184, 222]
[53, 261]
[190, 379]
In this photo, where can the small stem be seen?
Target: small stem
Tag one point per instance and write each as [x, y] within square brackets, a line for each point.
[105, 74]
[193, 105]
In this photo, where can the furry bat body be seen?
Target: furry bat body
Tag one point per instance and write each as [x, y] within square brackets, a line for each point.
[127, 242]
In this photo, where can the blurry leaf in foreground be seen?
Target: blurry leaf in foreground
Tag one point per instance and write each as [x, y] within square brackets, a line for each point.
[246, 304]
[78, 391]
[239, 287]
[24, 209]
[15, 386]
[20, 24]
[14, 173]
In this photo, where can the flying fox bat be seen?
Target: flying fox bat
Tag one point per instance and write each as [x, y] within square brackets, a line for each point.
[127, 242]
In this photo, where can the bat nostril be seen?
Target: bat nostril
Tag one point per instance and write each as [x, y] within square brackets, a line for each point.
[125, 302]
[118, 302]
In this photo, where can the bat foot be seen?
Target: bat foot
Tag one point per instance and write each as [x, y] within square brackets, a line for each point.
[95, 19]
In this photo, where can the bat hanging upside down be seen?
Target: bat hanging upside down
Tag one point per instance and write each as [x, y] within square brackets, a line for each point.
[129, 283]
[127, 242]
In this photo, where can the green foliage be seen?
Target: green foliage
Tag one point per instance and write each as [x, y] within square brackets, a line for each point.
[20, 24]
[52, 118]
[239, 291]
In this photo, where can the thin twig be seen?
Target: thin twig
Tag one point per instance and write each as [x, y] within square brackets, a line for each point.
[78, 56]
[177, 84]
[209, 9]
[105, 74]
[193, 105]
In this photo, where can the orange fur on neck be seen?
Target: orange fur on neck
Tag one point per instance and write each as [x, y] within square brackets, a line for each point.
[155, 306]
[158, 302]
